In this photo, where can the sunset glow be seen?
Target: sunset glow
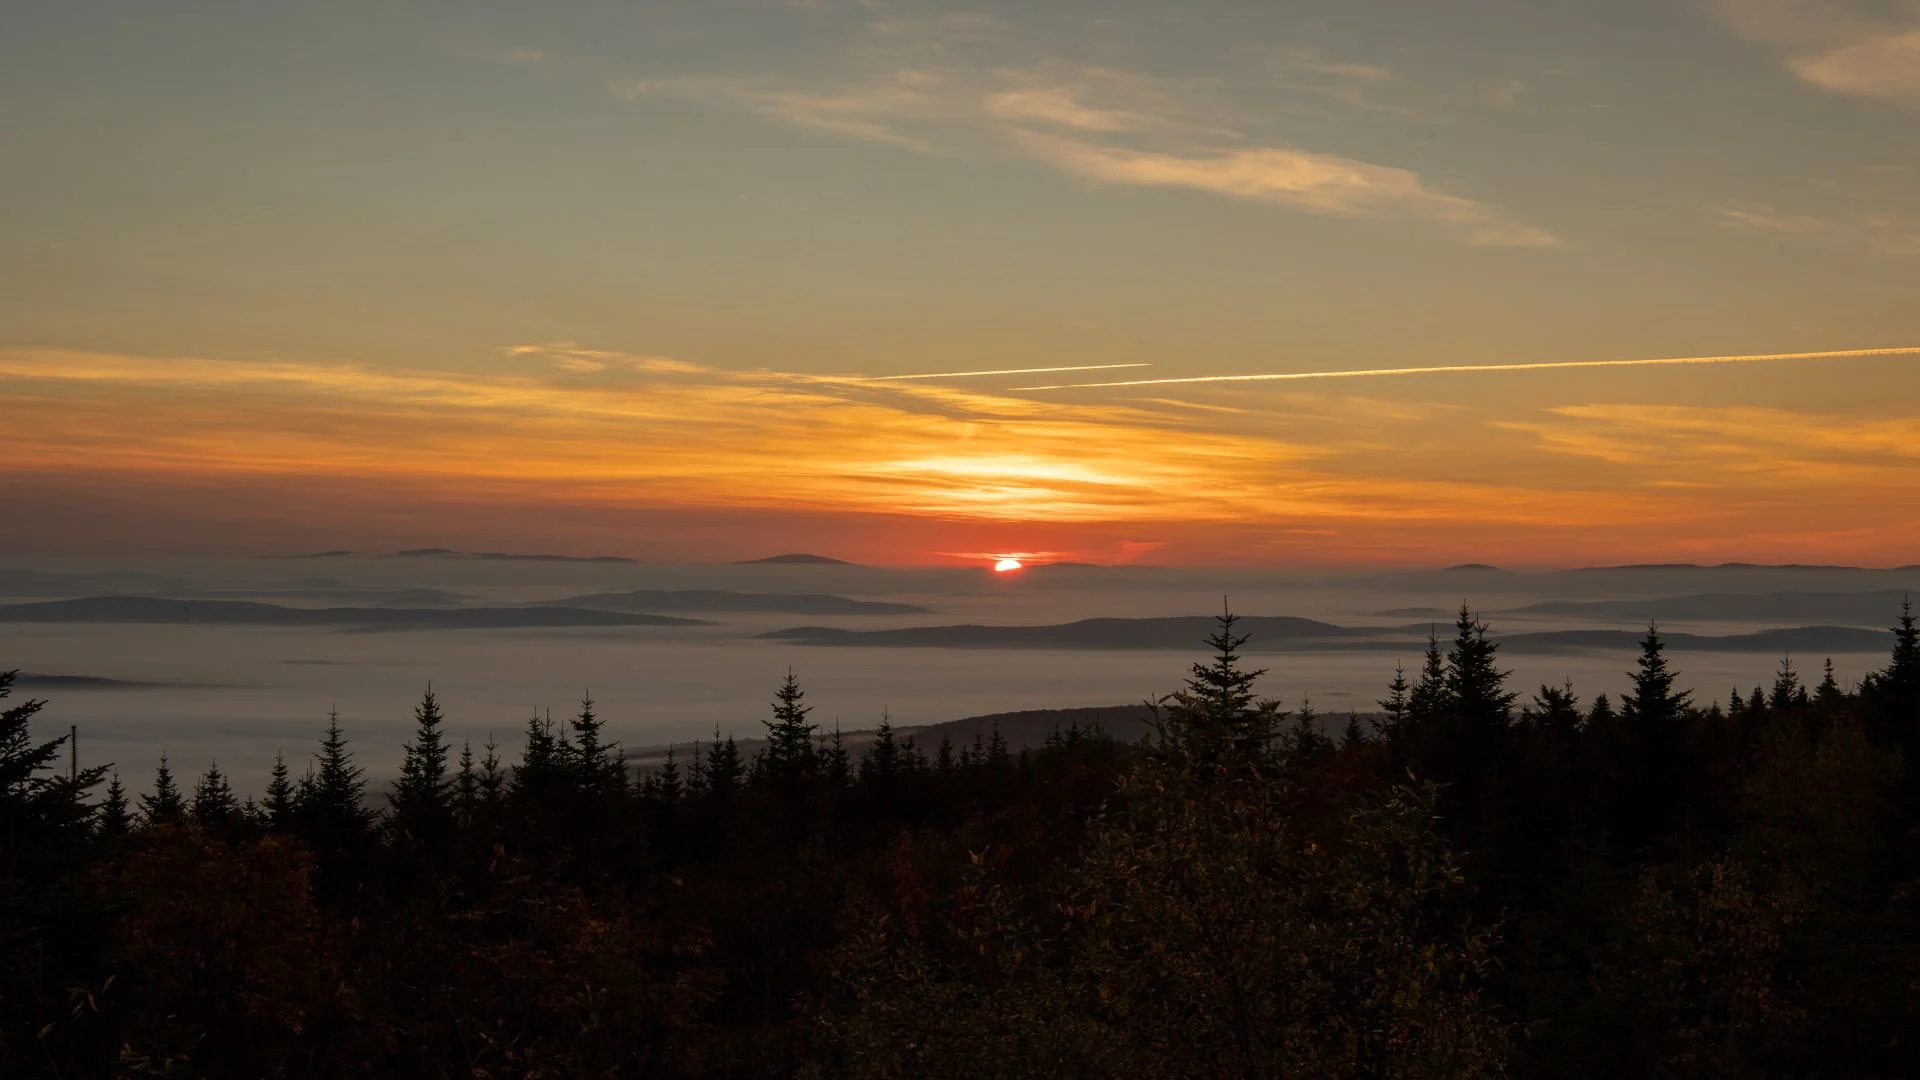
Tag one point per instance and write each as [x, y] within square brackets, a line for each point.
[1006, 566]
[921, 280]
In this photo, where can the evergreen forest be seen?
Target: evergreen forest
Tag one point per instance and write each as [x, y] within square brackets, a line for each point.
[1478, 880]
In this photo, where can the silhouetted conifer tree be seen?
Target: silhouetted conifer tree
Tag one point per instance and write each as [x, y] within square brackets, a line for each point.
[1429, 698]
[1829, 693]
[1652, 750]
[1397, 705]
[1351, 734]
[669, 776]
[592, 759]
[998, 757]
[1892, 695]
[1306, 744]
[1786, 691]
[542, 775]
[725, 771]
[789, 752]
[35, 809]
[335, 806]
[886, 759]
[1600, 714]
[943, 761]
[466, 787]
[492, 780]
[697, 786]
[164, 806]
[1460, 738]
[280, 807]
[1214, 716]
[116, 820]
[836, 765]
[214, 808]
[421, 798]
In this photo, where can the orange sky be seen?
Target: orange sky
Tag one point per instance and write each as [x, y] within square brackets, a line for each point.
[283, 278]
[589, 451]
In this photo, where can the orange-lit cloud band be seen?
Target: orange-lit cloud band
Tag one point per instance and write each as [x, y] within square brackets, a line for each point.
[1451, 369]
[568, 434]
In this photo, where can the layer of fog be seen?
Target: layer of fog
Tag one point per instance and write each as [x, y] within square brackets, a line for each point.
[239, 694]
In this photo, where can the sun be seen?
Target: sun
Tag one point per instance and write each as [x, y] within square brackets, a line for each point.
[1005, 565]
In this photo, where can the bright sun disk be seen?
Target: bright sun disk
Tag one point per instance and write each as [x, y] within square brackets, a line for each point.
[1005, 565]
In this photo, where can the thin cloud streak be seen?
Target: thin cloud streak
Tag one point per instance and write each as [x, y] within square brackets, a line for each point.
[1567, 365]
[1002, 371]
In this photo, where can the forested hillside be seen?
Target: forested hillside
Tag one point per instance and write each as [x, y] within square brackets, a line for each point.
[1492, 880]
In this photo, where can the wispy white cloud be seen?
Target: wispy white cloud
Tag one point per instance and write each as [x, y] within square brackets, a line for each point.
[1110, 126]
[1322, 183]
[1879, 233]
[1863, 49]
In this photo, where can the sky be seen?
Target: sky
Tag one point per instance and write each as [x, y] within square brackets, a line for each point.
[641, 279]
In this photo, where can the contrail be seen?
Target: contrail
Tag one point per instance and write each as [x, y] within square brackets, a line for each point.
[1667, 361]
[1006, 371]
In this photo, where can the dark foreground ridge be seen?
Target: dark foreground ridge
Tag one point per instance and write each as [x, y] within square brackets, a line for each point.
[144, 609]
[1469, 884]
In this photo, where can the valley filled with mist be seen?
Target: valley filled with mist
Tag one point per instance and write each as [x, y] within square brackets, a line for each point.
[236, 660]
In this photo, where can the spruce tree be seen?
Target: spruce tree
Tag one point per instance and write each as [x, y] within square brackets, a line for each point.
[1214, 717]
[592, 757]
[421, 798]
[836, 765]
[1306, 744]
[1892, 695]
[697, 772]
[998, 757]
[1829, 692]
[725, 771]
[493, 779]
[1652, 749]
[164, 806]
[542, 764]
[1786, 686]
[1428, 698]
[1475, 686]
[669, 780]
[1600, 715]
[943, 758]
[884, 761]
[37, 810]
[466, 787]
[115, 821]
[280, 808]
[1461, 725]
[214, 807]
[334, 806]
[789, 752]
[1396, 705]
[1351, 734]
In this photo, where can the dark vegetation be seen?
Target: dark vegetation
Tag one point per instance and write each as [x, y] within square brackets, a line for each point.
[1484, 885]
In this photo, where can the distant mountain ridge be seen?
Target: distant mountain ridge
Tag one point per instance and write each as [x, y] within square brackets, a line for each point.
[507, 556]
[799, 558]
[154, 610]
[721, 600]
[1285, 633]
[1180, 631]
[1878, 607]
